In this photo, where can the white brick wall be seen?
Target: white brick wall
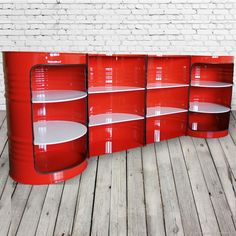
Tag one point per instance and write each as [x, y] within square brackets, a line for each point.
[118, 26]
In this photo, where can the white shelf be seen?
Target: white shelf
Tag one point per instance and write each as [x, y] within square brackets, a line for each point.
[52, 96]
[111, 118]
[112, 89]
[206, 107]
[159, 111]
[210, 84]
[159, 85]
[54, 132]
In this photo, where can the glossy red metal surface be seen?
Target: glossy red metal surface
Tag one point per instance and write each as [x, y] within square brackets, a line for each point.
[116, 70]
[58, 77]
[119, 102]
[31, 176]
[169, 69]
[116, 137]
[18, 100]
[70, 111]
[207, 134]
[212, 95]
[59, 157]
[166, 127]
[212, 72]
[210, 124]
[212, 59]
[168, 97]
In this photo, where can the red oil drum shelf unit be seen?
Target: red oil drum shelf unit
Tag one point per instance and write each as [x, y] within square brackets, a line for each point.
[46, 99]
[210, 96]
[116, 88]
[167, 97]
[65, 107]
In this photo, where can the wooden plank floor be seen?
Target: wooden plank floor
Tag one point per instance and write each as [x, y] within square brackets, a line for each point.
[183, 186]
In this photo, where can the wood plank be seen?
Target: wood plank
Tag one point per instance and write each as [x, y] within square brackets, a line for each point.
[187, 206]
[66, 212]
[154, 209]
[4, 169]
[3, 135]
[136, 206]
[220, 204]
[5, 207]
[50, 209]
[173, 222]
[2, 117]
[229, 149]
[83, 218]
[228, 144]
[204, 207]
[224, 173]
[234, 189]
[18, 204]
[30, 218]
[234, 114]
[232, 128]
[101, 211]
[118, 217]
[9, 232]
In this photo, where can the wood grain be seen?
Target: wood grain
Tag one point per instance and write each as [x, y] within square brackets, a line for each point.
[172, 216]
[135, 191]
[184, 186]
[154, 209]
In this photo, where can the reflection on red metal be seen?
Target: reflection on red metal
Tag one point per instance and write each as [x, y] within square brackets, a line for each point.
[116, 137]
[116, 70]
[168, 97]
[166, 127]
[58, 157]
[57, 117]
[168, 69]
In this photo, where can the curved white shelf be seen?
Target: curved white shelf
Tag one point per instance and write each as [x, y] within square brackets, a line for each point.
[112, 89]
[159, 111]
[112, 118]
[159, 85]
[206, 107]
[51, 96]
[210, 84]
[54, 132]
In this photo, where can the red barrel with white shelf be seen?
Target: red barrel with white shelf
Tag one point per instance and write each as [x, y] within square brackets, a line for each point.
[46, 109]
[210, 96]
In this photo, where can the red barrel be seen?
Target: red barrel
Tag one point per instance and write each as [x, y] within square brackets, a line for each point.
[210, 96]
[27, 73]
